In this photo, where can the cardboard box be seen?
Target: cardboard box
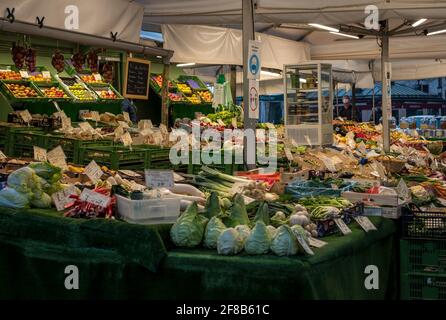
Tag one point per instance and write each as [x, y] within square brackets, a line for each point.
[378, 199]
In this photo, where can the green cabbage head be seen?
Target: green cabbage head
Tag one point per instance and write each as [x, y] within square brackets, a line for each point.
[188, 230]
[259, 240]
[285, 242]
[213, 230]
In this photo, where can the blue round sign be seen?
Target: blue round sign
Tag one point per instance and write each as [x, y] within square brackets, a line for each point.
[254, 64]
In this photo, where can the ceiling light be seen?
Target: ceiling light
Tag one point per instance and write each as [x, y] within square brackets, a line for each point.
[345, 35]
[321, 26]
[186, 64]
[418, 22]
[159, 57]
[269, 73]
[436, 32]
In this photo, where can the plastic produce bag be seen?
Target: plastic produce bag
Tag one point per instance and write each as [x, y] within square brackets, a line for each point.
[213, 230]
[188, 230]
[230, 242]
[11, 198]
[24, 180]
[285, 242]
[259, 241]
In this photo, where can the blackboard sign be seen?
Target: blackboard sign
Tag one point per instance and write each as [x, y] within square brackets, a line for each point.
[136, 81]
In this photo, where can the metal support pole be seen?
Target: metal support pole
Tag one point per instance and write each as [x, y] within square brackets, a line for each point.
[354, 111]
[248, 34]
[233, 83]
[165, 95]
[386, 102]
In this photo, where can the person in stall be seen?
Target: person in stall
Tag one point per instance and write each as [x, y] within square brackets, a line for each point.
[129, 107]
[347, 111]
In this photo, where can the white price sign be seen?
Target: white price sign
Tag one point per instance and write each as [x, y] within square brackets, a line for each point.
[57, 157]
[316, 243]
[24, 74]
[2, 155]
[62, 198]
[254, 99]
[304, 244]
[123, 124]
[66, 123]
[288, 154]
[26, 116]
[85, 126]
[365, 223]
[40, 154]
[342, 226]
[46, 74]
[234, 122]
[126, 139]
[95, 116]
[220, 123]
[163, 129]
[93, 171]
[159, 178]
[145, 124]
[119, 131]
[126, 116]
[95, 198]
[97, 76]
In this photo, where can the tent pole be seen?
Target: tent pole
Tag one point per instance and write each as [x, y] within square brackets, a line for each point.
[386, 102]
[373, 93]
[165, 94]
[248, 34]
[234, 83]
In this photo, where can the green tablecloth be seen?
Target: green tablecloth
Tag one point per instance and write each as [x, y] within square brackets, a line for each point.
[119, 260]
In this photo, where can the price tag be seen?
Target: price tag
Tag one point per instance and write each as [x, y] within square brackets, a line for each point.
[126, 116]
[328, 163]
[24, 74]
[2, 155]
[288, 154]
[26, 116]
[93, 171]
[119, 131]
[57, 157]
[163, 129]
[221, 123]
[270, 125]
[316, 243]
[40, 154]
[130, 173]
[95, 198]
[307, 139]
[97, 76]
[85, 126]
[159, 178]
[123, 124]
[145, 124]
[247, 199]
[146, 132]
[361, 148]
[234, 122]
[304, 244]
[342, 226]
[365, 223]
[46, 74]
[293, 142]
[95, 116]
[62, 198]
[126, 139]
[238, 187]
[66, 123]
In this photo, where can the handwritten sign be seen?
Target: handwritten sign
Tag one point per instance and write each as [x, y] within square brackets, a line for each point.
[145, 124]
[2, 155]
[95, 198]
[93, 171]
[365, 223]
[57, 157]
[97, 76]
[40, 154]
[85, 126]
[342, 226]
[126, 116]
[159, 178]
[24, 74]
[126, 139]
[288, 154]
[46, 74]
[26, 116]
[163, 129]
[304, 244]
[136, 79]
[123, 124]
[62, 198]
[316, 243]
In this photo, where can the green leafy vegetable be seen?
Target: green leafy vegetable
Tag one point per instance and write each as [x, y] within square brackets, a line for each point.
[259, 241]
[285, 242]
[212, 207]
[230, 242]
[188, 230]
[213, 230]
[262, 214]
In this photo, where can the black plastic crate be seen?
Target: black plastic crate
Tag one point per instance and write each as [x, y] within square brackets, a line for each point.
[423, 286]
[419, 224]
[328, 226]
[422, 256]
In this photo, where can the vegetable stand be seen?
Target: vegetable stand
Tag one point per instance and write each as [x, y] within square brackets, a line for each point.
[121, 260]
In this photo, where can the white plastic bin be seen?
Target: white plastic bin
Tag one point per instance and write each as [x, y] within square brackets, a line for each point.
[150, 211]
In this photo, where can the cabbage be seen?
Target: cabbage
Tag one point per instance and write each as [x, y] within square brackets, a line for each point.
[24, 180]
[43, 201]
[278, 219]
[237, 215]
[212, 206]
[188, 230]
[47, 171]
[229, 242]
[213, 230]
[259, 241]
[244, 231]
[272, 231]
[298, 230]
[262, 213]
[285, 242]
[11, 198]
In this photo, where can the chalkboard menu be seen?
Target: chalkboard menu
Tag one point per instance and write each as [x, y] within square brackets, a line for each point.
[136, 81]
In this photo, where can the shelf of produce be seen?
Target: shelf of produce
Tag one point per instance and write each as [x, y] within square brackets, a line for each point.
[7, 131]
[186, 110]
[22, 91]
[54, 91]
[106, 93]
[115, 157]
[193, 82]
[23, 143]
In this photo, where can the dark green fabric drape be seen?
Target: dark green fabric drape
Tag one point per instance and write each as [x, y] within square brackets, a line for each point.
[119, 260]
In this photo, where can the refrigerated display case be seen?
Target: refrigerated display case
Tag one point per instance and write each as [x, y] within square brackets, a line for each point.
[309, 103]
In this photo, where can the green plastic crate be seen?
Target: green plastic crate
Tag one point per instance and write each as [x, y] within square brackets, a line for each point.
[114, 157]
[225, 168]
[23, 142]
[158, 158]
[6, 135]
[71, 146]
[422, 256]
[423, 286]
